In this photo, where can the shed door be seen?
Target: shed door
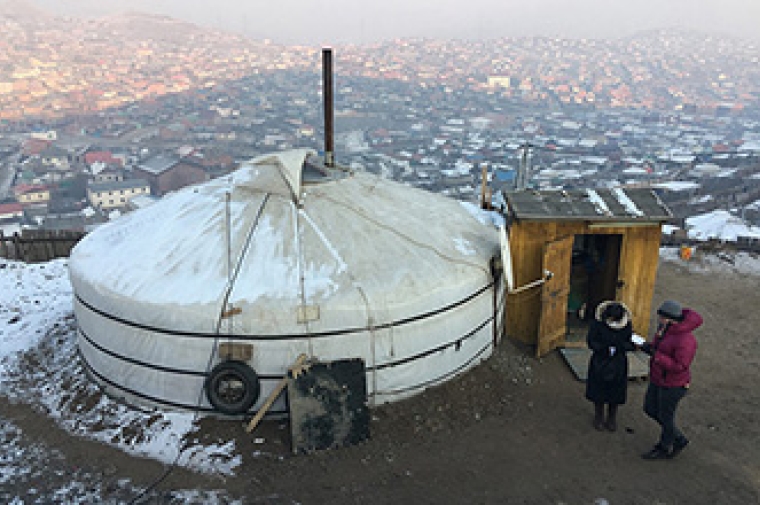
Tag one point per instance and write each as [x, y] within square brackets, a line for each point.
[553, 320]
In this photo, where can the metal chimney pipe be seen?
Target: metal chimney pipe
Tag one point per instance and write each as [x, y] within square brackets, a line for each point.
[327, 92]
[523, 173]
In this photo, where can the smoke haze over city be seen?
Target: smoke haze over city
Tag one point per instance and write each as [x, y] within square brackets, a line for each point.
[345, 21]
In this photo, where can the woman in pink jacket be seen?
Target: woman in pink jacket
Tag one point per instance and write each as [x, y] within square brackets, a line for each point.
[671, 353]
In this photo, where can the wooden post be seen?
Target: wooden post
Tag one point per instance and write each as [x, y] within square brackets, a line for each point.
[59, 244]
[274, 394]
[483, 183]
[18, 254]
[36, 247]
[50, 245]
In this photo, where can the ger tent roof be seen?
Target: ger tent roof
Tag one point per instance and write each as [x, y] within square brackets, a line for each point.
[346, 265]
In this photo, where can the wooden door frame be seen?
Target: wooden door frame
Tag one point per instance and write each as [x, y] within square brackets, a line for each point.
[552, 324]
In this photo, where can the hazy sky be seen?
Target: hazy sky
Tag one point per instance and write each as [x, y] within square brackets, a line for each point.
[340, 21]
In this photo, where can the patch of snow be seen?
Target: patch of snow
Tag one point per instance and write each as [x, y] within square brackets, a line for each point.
[701, 199]
[97, 167]
[720, 225]
[487, 217]
[635, 171]
[676, 185]
[682, 158]
[594, 160]
[626, 202]
[598, 203]
[750, 146]
[727, 173]
[33, 299]
[9, 229]
[31, 472]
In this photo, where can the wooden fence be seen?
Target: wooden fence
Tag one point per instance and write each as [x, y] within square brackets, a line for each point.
[38, 245]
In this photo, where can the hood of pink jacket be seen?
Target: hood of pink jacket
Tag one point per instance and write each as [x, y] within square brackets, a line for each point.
[691, 321]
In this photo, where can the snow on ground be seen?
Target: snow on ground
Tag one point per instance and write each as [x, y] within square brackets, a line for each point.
[39, 366]
[24, 464]
[34, 298]
[719, 224]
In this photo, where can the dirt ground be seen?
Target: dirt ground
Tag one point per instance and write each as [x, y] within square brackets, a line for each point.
[515, 430]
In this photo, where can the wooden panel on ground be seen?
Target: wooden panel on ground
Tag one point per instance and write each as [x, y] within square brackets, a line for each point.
[328, 406]
[577, 359]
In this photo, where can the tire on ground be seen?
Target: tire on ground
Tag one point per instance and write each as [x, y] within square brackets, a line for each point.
[232, 387]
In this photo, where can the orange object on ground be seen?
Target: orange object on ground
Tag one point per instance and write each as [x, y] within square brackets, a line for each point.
[686, 252]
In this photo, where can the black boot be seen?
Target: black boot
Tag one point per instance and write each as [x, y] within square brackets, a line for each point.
[678, 446]
[599, 416]
[611, 423]
[657, 452]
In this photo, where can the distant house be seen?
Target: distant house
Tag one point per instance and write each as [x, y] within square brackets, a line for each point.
[11, 212]
[27, 194]
[169, 173]
[214, 164]
[46, 135]
[55, 157]
[108, 174]
[103, 157]
[116, 194]
[34, 146]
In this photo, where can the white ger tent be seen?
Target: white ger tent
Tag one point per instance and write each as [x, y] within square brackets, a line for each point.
[279, 258]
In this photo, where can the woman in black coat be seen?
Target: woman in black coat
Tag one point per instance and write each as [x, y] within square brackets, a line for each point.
[609, 338]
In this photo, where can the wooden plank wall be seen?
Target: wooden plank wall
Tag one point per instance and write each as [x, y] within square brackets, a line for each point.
[38, 245]
[639, 258]
[526, 242]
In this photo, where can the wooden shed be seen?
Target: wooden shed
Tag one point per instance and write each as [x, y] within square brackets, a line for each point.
[598, 245]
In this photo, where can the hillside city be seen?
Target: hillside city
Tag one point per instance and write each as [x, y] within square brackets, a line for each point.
[101, 116]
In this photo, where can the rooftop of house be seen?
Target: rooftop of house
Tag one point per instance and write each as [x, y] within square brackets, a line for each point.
[158, 164]
[118, 185]
[21, 189]
[618, 204]
[10, 208]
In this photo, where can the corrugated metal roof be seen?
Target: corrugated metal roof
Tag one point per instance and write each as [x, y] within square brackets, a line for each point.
[633, 204]
[158, 164]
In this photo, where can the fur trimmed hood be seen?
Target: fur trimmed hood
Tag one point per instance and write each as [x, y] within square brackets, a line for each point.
[615, 325]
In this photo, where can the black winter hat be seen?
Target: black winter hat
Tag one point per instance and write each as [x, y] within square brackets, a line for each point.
[671, 310]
